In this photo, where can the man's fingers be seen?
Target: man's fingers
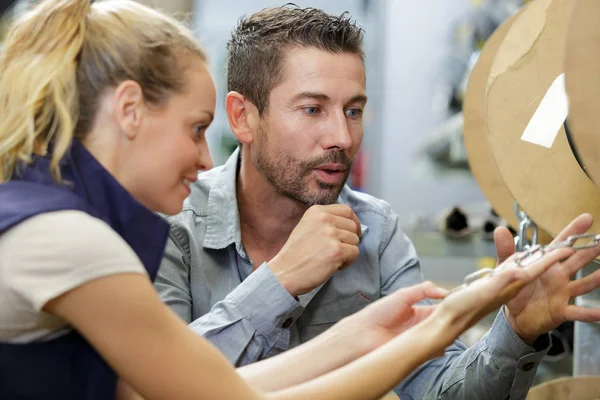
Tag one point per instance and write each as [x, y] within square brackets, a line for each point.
[357, 222]
[505, 244]
[585, 284]
[580, 260]
[538, 267]
[584, 314]
[347, 224]
[349, 254]
[348, 237]
[579, 225]
[342, 210]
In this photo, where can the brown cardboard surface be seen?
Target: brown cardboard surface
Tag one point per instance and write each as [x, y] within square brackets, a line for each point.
[582, 66]
[521, 38]
[571, 388]
[547, 182]
[479, 154]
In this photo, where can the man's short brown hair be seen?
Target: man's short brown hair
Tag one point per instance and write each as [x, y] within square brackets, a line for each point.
[258, 44]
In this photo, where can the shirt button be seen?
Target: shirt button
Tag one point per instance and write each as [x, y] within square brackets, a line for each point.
[528, 366]
[287, 323]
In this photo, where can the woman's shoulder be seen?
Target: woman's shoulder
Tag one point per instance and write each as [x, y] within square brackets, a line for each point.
[21, 200]
[51, 253]
[57, 230]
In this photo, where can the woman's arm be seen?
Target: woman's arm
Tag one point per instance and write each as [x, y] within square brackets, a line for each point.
[347, 340]
[375, 374]
[153, 350]
[146, 343]
[161, 358]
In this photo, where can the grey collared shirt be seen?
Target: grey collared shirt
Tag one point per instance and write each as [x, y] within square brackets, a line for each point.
[206, 279]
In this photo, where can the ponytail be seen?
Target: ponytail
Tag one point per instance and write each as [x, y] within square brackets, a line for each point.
[39, 102]
[58, 59]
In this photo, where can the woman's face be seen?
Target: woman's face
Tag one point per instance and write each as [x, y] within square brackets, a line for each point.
[171, 145]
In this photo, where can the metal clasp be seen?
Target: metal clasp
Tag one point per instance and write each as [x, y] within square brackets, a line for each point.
[525, 223]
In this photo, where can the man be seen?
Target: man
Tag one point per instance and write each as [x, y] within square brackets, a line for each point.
[271, 249]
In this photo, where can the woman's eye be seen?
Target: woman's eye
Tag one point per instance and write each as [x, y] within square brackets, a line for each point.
[199, 130]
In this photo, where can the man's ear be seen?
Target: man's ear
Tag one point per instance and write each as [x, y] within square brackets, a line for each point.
[128, 109]
[243, 117]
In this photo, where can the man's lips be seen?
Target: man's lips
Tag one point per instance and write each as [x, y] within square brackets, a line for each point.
[330, 173]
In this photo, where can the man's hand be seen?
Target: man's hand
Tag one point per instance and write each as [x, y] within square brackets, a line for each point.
[545, 303]
[324, 241]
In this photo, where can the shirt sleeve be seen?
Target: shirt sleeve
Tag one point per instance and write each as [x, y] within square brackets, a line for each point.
[245, 325]
[53, 253]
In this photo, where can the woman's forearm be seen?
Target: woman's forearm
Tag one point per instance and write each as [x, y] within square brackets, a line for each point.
[375, 374]
[326, 352]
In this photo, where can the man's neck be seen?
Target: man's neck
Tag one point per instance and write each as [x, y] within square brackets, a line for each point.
[267, 218]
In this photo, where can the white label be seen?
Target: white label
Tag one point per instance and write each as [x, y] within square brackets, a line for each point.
[549, 116]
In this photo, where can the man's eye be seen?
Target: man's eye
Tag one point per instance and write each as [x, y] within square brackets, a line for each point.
[311, 110]
[353, 112]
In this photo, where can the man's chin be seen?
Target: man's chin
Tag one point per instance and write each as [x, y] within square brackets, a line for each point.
[326, 196]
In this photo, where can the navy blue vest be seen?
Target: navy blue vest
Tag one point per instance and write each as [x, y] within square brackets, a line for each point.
[68, 368]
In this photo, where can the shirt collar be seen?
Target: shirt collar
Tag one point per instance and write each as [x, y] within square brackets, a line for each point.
[223, 219]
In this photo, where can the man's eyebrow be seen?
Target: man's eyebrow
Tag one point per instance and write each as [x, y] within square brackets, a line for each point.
[310, 95]
[359, 98]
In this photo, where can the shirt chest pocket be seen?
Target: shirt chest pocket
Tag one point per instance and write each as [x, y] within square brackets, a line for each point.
[317, 319]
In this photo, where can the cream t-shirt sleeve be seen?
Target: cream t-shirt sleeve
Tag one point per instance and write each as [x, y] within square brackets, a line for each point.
[50, 254]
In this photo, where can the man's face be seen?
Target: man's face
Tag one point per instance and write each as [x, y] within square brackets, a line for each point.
[313, 126]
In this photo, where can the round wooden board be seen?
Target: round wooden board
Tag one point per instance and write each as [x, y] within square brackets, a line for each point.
[568, 388]
[582, 66]
[479, 154]
[547, 182]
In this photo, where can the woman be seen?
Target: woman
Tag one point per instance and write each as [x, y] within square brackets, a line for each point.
[104, 109]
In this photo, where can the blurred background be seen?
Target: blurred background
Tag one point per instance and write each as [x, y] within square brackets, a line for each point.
[418, 58]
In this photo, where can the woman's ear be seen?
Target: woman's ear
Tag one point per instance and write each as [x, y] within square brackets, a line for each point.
[129, 102]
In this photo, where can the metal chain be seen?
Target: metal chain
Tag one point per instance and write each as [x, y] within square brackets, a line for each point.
[532, 254]
[525, 223]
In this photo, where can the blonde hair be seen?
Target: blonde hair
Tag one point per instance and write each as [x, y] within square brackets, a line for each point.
[61, 55]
